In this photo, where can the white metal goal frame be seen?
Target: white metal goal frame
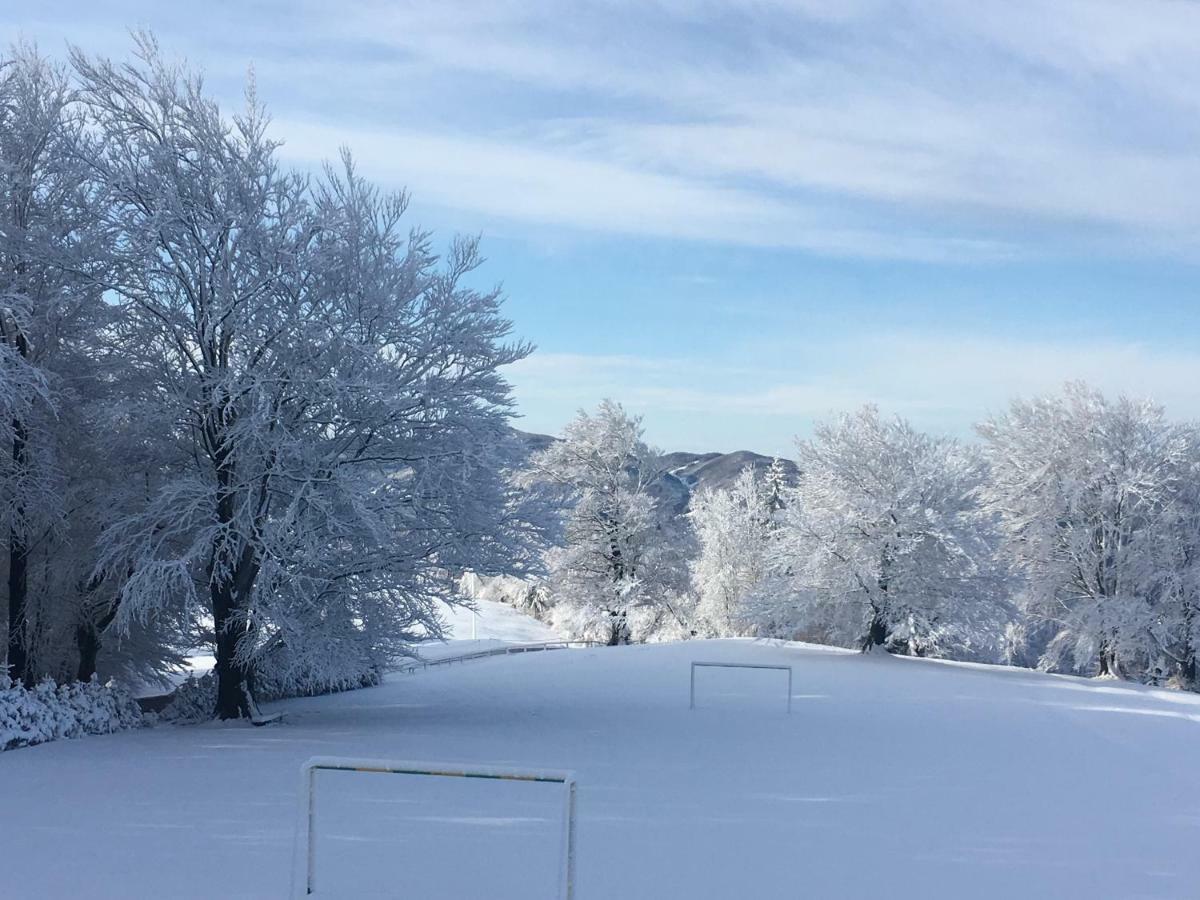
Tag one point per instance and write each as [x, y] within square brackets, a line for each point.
[726, 665]
[304, 874]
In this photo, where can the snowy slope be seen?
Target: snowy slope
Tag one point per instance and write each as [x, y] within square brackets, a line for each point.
[496, 622]
[892, 778]
[492, 624]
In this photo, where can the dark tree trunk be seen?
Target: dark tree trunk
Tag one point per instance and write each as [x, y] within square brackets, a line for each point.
[1187, 671]
[876, 633]
[1108, 662]
[1187, 668]
[617, 631]
[229, 592]
[235, 678]
[19, 668]
[87, 640]
[234, 698]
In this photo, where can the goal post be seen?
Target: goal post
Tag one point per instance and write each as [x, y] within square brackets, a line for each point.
[304, 875]
[726, 665]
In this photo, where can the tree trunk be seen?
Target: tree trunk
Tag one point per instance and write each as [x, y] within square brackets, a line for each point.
[876, 633]
[1187, 671]
[617, 631]
[19, 668]
[235, 678]
[234, 698]
[87, 640]
[1187, 668]
[1108, 662]
[228, 593]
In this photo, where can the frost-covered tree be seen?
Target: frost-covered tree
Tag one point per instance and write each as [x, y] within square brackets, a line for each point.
[1180, 644]
[734, 529]
[613, 564]
[329, 386]
[1096, 502]
[885, 540]
[51, 248]
[129, 449]
[776, 481]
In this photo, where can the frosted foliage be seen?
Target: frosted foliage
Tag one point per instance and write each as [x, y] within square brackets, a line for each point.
[610, 580]
[734, 529]
[193, 700]
[883, 543]
[329, 383]
[54, 383]
[1098, 505]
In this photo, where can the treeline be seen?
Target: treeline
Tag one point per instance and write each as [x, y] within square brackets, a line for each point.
[1066, 537]
[240, 405]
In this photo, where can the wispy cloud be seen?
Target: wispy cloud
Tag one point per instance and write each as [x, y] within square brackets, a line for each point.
[536, 183]
[929, 129]
[943, 382]
[1054, 142]
[927, 119]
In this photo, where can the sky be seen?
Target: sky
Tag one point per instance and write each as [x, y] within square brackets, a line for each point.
[740, 218]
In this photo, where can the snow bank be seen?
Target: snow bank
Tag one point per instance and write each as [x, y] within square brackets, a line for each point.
[51, 712]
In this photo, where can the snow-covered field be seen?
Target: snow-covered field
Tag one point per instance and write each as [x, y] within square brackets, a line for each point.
[891, 778]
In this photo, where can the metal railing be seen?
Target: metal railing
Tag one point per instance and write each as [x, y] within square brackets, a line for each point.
[414, 665]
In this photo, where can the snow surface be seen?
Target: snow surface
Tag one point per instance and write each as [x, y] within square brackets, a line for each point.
[497, 622]
[892, 778]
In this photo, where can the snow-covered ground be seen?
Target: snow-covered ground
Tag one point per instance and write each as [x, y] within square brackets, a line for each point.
[892, 778]
[491, 624]
[495, 621]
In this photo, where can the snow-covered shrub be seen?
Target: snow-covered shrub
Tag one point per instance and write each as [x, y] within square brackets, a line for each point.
[194, 700]
[51, 712]
[281, 676]
[100, 708]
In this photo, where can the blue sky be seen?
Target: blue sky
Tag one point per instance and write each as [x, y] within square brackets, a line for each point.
[740, 217]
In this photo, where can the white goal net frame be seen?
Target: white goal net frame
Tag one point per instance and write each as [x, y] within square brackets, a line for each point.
[725, 665]
[304, 874]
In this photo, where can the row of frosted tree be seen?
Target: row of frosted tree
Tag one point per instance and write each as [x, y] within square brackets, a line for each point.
[1066, 536]
[240, 406]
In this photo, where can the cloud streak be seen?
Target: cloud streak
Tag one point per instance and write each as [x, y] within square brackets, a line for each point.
[961, 130]
[943, 382]
[974, 126]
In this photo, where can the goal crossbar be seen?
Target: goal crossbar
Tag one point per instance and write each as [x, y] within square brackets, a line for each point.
[304, 875]
[725, 665]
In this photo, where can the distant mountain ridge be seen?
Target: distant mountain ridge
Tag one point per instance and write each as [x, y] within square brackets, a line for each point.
[685, 473]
